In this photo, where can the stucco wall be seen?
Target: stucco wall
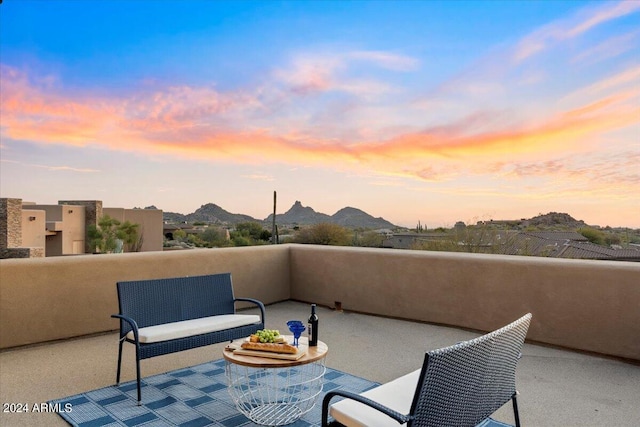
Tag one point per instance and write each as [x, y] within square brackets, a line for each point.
[33, 228]
[54, 298]
[586, 305]
[70, 237]
[150, 225]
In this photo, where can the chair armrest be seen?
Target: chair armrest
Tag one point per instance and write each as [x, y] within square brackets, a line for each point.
[256, 302]
[400, 418]
[131, 322]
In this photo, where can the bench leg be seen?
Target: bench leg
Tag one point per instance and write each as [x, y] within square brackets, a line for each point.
[138, 374]
[119, 362]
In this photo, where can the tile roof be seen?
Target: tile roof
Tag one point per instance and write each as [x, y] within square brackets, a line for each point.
[558, 235]
[555, 244]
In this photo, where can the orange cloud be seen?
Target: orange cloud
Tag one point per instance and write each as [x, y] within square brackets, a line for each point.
[554, 134]
[259, 177]
[182, 121]
[243, 126]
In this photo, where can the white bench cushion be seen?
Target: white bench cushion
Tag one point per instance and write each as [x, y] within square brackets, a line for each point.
[397, 395]
[187, 328]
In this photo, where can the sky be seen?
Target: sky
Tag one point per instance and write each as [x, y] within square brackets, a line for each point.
[414, 111]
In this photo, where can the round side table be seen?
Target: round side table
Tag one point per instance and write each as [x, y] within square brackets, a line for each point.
[276, 392]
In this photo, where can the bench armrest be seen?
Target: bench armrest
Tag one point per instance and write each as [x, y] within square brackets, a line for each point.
[132, 323]
[253, 301]
[400, 418]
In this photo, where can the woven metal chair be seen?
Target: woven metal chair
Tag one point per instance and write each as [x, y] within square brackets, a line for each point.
[461, 385]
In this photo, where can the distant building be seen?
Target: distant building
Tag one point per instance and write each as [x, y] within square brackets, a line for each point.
[30, 230]
[566, 244]
[553, 244]
[411, 240]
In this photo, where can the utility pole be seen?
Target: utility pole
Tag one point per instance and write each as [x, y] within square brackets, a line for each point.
[273, 226]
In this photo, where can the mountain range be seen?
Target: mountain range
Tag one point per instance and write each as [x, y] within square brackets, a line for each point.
[296, 215]
[347, 217]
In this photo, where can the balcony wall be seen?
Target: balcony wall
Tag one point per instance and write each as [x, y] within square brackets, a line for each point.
[585, 305]
[578, 304]
[61, 297]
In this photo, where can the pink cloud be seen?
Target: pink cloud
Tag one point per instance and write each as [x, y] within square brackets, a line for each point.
[51, 167]
[310, 74]
[316, 73]
[609, 48]
[584, 21]
[603, 15]
[549, 167]
[626, 82]
[246, 126]
[386, 60]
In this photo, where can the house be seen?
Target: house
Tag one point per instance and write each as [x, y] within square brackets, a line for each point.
[30, 230]
[554, 244]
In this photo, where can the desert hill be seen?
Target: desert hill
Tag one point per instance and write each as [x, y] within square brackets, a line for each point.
[555, 219]
[296, 215]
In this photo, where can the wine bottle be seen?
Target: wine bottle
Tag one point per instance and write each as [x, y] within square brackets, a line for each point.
[313, 327]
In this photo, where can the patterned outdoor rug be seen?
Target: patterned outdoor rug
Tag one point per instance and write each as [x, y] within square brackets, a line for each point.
[189, 397]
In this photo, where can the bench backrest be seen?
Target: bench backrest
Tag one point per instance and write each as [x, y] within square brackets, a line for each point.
[158, 301]
[463, 384]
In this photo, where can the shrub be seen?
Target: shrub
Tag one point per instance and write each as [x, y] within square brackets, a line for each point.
[324, 234]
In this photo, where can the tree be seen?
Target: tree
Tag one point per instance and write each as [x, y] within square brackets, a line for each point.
[215, 237]
[250, 233]
[195, 240]
[477, 239]
[180, 235]
[324, 234]
[254, 230]
[131, 236]
[110, 234]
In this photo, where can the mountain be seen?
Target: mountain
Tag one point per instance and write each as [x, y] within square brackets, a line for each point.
[299, 215]
[346, 217]
[354, 218]
[296, 215]
[214, 214]
[209, 213]
[173, 217]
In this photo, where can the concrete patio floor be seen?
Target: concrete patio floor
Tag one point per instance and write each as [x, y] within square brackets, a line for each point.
[557, 387]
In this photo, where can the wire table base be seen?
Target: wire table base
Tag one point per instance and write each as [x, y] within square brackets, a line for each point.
[275, 396]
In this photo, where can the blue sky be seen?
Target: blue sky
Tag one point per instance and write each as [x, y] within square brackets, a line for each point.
[413, 111]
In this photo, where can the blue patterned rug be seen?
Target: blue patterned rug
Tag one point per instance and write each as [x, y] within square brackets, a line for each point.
[189, 397]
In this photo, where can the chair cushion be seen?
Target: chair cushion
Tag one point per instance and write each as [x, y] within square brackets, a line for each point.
[397, 395]
[187, 328]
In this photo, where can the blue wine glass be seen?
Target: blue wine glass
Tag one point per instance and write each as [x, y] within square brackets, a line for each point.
[297, 328]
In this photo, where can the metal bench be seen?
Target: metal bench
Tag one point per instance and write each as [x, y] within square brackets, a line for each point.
[163, 316]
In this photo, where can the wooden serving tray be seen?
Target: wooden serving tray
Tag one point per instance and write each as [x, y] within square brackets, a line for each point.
[270, 354]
